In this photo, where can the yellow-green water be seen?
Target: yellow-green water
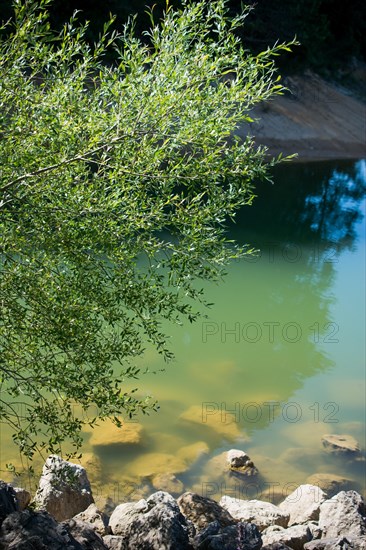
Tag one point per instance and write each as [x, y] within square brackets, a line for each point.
[278, 363]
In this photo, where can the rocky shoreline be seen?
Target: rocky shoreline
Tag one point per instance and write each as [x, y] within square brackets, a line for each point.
[63, 516]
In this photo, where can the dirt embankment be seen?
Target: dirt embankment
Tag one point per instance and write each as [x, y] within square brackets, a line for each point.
[319, 120]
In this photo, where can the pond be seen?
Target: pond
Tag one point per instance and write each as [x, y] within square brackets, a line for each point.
[278, 363]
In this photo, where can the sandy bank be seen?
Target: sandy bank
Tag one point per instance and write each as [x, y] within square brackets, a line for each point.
[318, 121]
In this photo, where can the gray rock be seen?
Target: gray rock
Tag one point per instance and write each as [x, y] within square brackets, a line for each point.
[343, 514]
[202, 511]
[8, 500]
[239, 461]
[23, 497]
[276, 546]
[84, 534]
[262, 513]
[242, 536]
[303, 504]
[97, 519]
[295, 537]
[35, 530]
[340, 444]
[64, 489]
[114, 542]
[155, 524]
[340, 543]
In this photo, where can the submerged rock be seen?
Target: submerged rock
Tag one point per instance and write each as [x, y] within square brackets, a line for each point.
[340, 444]
[152, 464]
[64, 489]
[168, 483]
[223, 424]
[331, 484]
[130, 433]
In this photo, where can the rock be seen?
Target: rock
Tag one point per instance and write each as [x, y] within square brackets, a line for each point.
[276, 546]
[202, 511]
[28, 529]
[345, 543]
[263, 514]
[343, 514]
[114, 542]
[64, 489]
[191, 453]
[130, 433]
[23, 497]
[315, 530]
[330, 483]
[295, 537]
[243, 536]
[224, 425]
[168, 483]
[303, 504]
[8, 500]
[155, 523]
[340, 444]
[85, 535]
[239, 461]
[97, 519]
[152, 464]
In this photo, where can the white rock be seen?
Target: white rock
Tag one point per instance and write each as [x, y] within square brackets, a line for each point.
[263, 514]
[295, 537]
[343, 514]
[97, 519]
[303, 504]
[64, 489]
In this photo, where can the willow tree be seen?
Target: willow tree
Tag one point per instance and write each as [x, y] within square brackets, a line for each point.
[116, 182]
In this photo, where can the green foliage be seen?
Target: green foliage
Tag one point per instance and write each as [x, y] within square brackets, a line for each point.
[115, 187]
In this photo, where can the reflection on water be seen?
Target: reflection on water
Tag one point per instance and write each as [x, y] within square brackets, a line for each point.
[278, 363]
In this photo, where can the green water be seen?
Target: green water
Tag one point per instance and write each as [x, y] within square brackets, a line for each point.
[281, 354]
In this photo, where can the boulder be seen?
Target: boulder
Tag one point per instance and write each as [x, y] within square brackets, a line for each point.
[202, 511]
[303, 504]
[295, 537]
[343, 515]
[263, 514]
[114, 542]
[239, 461]
[155, 523]
[340, 444]
[64, 489]
[168, 483]
[28, 529]
[243, 536]
[130, 433]
[8, 500]
[84, 534]
[339, 543]
[95, 518]
[23, 497]
[331, 484]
